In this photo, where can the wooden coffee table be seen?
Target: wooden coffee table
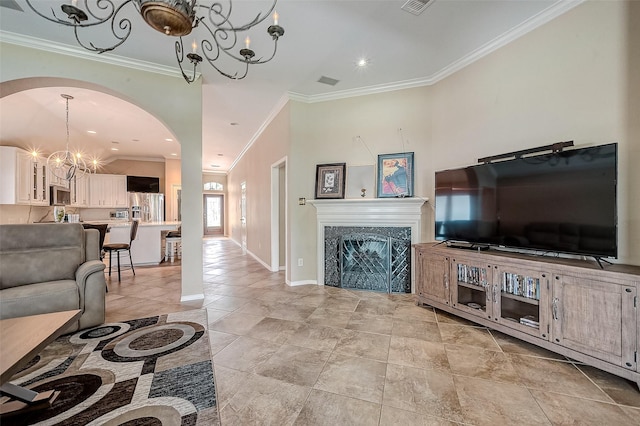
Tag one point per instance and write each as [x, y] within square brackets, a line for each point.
[21, 339]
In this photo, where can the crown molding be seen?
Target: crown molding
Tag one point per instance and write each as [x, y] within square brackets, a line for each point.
[274, 112]
[131, 158]
[77, 52]
[214, 172]
[507, 37]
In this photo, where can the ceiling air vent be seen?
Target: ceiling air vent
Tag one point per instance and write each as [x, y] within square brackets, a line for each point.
[328, 80]
[416, 7]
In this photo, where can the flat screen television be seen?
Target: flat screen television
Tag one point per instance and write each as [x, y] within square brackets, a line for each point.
[143, 184]
[557, 202]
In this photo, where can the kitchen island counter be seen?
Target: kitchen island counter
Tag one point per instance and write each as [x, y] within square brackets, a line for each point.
[117, 223]
[146, 249]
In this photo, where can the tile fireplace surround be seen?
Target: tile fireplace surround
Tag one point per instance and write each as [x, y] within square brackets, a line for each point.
[366, 212]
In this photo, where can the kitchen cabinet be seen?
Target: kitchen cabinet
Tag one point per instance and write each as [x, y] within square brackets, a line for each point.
[24, 177]
[108, 191]
[79, 191]
[57, 181]
[568, 306]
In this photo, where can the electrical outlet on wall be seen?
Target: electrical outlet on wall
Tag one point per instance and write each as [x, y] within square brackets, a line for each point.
[300, 262]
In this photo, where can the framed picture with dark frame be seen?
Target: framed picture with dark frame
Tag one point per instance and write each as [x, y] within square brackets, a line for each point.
[330, 180]
[395, 175]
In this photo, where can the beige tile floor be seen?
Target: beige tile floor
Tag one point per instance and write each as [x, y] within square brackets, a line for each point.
[314, 355]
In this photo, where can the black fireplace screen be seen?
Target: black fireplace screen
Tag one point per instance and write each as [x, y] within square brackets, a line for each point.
[367, 258]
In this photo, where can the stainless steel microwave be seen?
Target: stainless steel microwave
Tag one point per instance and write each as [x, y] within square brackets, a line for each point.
[59, 196]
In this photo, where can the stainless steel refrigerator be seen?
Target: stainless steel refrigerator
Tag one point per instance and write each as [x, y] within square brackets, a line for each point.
[146, 206]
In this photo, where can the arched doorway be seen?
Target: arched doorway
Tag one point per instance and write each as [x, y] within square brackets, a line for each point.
[17, 70]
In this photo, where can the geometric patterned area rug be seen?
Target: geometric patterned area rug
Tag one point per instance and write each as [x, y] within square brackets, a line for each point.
[149, 371]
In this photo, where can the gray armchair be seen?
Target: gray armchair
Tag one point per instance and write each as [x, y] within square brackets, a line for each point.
[49, 268]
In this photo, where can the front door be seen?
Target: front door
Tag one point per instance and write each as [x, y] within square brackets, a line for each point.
[213, 214]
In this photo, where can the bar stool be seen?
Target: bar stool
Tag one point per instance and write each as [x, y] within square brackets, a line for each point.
[118, 247]
[173, 245]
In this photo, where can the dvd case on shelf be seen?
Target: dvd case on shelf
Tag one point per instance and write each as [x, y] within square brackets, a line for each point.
[530, 321]
[521, 285]
[472, 275]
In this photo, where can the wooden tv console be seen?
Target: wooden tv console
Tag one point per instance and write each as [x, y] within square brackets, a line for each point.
[568, 306]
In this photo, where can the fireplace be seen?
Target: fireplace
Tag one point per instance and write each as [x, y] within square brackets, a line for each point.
[368, 258]
[366, 243]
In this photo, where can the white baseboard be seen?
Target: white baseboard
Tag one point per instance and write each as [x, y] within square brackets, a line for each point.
[257, 259]
[303, 282]
[192, 297]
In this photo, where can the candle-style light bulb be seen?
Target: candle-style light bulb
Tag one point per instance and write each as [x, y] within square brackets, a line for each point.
[275, 18]
[247, 42]
[74, 3]
[194, 46]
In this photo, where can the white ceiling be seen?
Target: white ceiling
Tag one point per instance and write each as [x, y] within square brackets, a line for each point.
[322, 38]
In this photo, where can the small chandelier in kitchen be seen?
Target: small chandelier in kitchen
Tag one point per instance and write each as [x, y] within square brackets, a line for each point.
[175, 18]
[65, 164]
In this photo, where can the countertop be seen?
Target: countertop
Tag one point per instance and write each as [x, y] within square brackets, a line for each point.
[125, 223]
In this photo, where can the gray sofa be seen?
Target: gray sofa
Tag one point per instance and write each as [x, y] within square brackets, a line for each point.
[51, 267]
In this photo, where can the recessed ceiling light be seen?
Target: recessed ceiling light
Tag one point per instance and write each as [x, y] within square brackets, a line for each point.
[93, 132]
[215, 165]
[115, 142]
[362, 62]
[114, 149]
[135, 140]
[169, 140]
[174, 154]
[234, 123]
[220, 155]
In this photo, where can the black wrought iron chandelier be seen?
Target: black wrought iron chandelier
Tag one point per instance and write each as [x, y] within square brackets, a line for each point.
[175, 18]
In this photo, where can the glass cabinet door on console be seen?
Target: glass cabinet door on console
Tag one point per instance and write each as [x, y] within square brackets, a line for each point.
[432, 274]
[521, 300]
[472, 285]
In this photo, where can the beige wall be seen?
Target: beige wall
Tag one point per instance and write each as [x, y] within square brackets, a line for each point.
[568, 80]
[327, 132]
[571, 79]
[631, 190]
[214, 177]
[255, 169]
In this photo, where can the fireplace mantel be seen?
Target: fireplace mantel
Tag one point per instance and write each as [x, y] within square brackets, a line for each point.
[369, 211]
[382, 212]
